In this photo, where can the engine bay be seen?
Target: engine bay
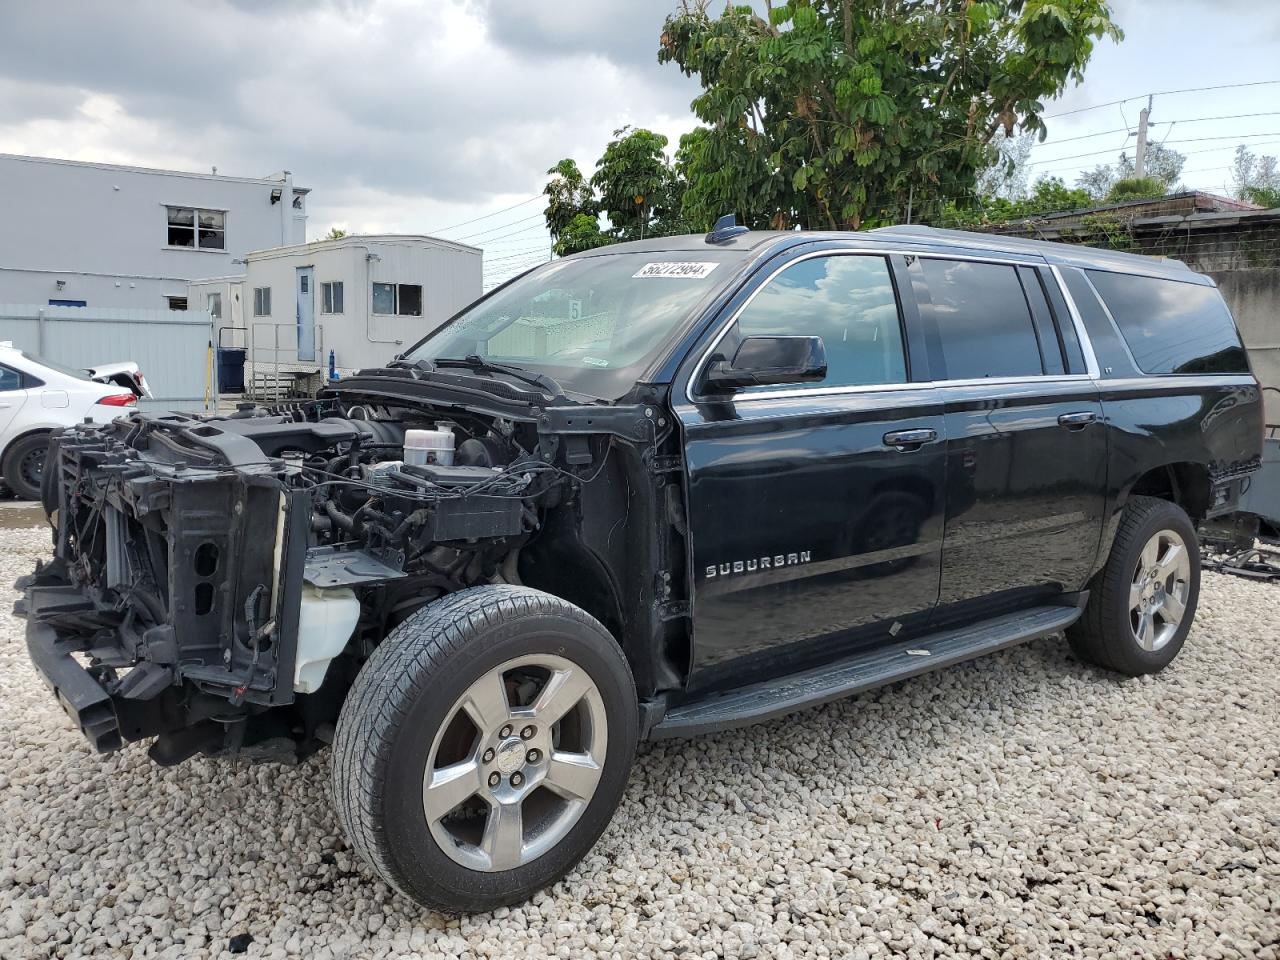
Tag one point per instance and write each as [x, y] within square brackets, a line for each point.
[220, 566]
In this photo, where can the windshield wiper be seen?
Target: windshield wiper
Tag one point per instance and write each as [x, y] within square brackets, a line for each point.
[426, 366]
[481, 365]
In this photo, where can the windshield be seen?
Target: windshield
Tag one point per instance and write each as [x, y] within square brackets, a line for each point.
[594, 324]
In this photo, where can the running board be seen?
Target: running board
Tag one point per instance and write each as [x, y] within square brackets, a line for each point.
[865, 671]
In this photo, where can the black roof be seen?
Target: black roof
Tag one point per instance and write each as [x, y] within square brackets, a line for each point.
[761, 242]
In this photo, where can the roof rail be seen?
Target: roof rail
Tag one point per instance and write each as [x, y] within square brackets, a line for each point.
[725, 229]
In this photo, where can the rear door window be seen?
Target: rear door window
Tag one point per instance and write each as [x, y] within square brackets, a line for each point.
[980, 311]
[1172, 326]
[10, 379]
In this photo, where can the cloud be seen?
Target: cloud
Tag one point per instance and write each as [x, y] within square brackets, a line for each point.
[624, 32]
[397, 114]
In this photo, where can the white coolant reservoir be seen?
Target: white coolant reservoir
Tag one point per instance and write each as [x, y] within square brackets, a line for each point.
[325, 624]
[429, 446]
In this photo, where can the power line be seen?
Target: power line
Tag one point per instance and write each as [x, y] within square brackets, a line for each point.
[486, 216]
[1188, 153]
[498, 229]
[530, 255]
[1159, 93]
[1096, 153]
[1232, 116]
[530, 229]
[522, 255]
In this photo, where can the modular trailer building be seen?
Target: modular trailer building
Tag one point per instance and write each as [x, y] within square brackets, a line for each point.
[365, 298]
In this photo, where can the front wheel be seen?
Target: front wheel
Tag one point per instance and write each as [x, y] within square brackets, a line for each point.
[1142, 602]
[484, 747]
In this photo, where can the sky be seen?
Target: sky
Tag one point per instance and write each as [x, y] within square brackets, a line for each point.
[442, 116]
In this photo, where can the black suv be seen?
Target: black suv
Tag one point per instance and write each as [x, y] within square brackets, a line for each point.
[664, 488]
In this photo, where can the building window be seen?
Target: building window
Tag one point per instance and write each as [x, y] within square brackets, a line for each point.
[262, 301]
[214, 305]
[177, 303]
[192, 227]
[403, 299]
[409, 300]
[331, 297]
[68, 303]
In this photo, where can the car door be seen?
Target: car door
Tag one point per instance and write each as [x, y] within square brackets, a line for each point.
[1026, 444]
[815, 512]
[12, 397]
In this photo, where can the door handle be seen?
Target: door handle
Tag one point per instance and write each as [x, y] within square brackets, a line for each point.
[910, 439]
[1077, 421]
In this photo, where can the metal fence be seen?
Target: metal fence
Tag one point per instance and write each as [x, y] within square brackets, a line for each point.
[171, 347]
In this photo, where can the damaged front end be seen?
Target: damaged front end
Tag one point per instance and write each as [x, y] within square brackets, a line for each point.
[217, 582]
[173, 595]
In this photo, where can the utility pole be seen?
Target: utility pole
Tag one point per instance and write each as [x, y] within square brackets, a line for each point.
[1140, 152]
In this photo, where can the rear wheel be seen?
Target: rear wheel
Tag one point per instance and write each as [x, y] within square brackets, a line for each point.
[24, 466]
[484, 747]
[1143, 601]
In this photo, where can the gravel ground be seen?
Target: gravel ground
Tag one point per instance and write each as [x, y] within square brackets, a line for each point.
[1019, 806]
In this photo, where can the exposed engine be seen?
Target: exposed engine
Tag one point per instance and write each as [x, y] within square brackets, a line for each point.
[250, 557]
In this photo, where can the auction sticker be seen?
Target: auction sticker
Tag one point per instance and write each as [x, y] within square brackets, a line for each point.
[683, 269]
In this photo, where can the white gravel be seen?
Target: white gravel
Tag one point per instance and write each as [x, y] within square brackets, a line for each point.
[1019, 806]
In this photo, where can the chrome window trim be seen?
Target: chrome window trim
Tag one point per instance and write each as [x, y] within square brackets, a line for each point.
[1077, 321]
[919, 385]
[1091, 362]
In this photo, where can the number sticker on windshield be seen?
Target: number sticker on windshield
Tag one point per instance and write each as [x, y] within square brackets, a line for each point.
[682, 269]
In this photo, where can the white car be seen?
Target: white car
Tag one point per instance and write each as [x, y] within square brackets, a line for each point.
[37, 396]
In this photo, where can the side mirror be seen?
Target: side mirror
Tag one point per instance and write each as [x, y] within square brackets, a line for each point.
[766, 361]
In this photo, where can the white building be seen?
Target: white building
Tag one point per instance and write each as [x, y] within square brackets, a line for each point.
[101, 235]
[365, 298]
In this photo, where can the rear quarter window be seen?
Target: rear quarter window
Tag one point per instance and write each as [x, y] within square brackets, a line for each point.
[1172, 326]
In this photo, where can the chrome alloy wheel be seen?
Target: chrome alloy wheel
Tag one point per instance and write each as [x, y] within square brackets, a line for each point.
[515, 763]
[1158, 593]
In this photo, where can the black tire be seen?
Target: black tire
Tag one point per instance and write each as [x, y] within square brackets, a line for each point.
[24, 465]
[1105, 633]
[407, 692]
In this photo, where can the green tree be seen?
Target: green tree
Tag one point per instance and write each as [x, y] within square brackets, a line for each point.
[1007, 173]
[581, 233]
[1049, 195]
[833, 113]
[640, 192]
[1161, 164]
[1257, 179]
[1136, 188]
[335, 233]
[635, 182]
[568, 196]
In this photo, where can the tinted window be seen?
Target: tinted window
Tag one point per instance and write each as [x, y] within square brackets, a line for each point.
[1066, 326]
[1171, 326]
[849, 302]
[1046, 333]
[10, 379]
[982, 318]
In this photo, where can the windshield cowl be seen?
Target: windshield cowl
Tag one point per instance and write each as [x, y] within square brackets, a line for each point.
[468, 381]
